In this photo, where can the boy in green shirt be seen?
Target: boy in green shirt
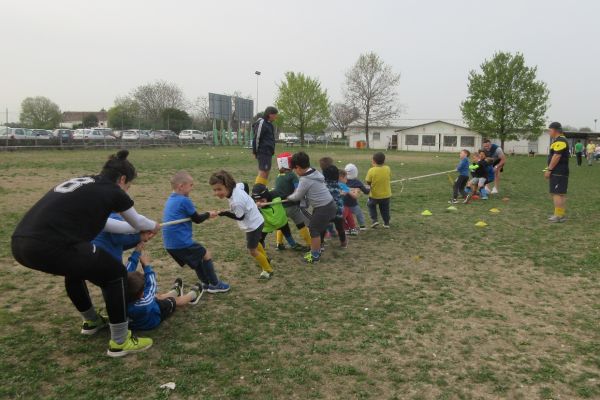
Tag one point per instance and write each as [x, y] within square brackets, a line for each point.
[285, 184]
[379, 178]
[274, 215]
[579, 152]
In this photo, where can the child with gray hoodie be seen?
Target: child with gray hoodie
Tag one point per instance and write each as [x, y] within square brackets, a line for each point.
[312, 188]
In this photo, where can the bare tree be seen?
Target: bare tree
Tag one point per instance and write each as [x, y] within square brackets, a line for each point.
[371, 88]
[341, 116]
[154, 98]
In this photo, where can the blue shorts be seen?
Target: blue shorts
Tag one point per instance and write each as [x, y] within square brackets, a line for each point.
[191, 256]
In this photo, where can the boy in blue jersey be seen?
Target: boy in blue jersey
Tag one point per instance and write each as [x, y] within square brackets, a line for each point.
[178, 239]
[118, 236]
[463, 176]
[147, 309]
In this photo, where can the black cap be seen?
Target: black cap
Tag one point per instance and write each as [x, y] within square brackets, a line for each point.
[555, 125]
[259, 191]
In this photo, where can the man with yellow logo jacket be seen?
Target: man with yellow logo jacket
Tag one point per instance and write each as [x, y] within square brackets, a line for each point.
[557, 171]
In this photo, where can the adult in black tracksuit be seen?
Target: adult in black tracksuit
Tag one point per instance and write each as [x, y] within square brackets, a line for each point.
[55, 237]
[263, 145]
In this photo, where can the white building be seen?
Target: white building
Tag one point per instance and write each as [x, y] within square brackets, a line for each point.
[438, 136]
[75, 118]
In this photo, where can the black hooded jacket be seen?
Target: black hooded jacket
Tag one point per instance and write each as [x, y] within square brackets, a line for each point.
[264, 137]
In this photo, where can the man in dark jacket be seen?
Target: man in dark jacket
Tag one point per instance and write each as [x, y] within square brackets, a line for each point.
[263, 145]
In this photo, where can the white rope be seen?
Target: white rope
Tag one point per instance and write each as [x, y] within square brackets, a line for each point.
[175, 222]
[422, 176]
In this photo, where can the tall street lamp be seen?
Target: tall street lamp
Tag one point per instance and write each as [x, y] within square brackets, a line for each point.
[257, 73]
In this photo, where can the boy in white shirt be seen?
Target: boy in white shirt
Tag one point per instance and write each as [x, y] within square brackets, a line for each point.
[244, 210]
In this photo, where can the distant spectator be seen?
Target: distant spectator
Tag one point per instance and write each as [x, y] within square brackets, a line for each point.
[579, 152]
[590, 150]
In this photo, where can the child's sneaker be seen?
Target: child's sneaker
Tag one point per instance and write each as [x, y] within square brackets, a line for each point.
[198, 289]
[556, 219]
[386, 226]
[344, 244]
[299, 247]
[353, 232]
[453, 201]
[264, 276]
[91, 327]
[363, 228]
[177, 287]
[280, 246]
[310, 259]
[374, 225]
[467, 198]
[220, 287]
[133, 344]
[494, 190]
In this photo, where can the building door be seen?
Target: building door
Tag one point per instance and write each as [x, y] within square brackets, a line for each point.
[394, 144]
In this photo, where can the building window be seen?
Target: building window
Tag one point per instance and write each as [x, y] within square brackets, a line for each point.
[467, 141]
[376, 135]
[412, 140]
[450, 141]
[428, 140]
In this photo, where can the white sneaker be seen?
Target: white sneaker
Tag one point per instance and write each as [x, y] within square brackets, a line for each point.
[265, 275]
[494, 190]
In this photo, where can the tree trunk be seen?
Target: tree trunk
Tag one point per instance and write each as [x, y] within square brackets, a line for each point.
[367, 128]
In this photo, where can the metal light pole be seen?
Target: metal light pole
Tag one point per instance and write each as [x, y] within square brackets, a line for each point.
[257, 73]
[595, 120]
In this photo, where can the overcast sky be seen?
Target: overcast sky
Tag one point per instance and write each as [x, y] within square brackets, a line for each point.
[82, 54]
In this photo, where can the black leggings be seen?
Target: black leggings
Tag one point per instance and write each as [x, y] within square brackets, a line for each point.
[78, 263]
[459, 186]
[284, 229]
[338, 222]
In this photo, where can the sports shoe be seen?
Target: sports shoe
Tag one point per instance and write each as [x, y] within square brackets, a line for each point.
[467, 198]
[556, 219]
[353, 232]
[494, 190]
[453, 201]
[299, 247]
[374, 225]
[199, 290]
[220, 287]
[264, 276]
[484, 198]
[310, 259]
[178, 287]
[386, 226]
[280, 246]
[133, 344]
[344, 244]
[91, 327]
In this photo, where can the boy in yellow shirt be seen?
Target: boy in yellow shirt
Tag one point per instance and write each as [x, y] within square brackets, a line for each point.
[379, 177]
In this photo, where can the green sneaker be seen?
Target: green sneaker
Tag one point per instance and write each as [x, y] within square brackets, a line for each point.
[91, 327]
[133, 344]
[310, 259]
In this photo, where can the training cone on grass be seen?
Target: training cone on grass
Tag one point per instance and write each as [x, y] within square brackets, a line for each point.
[481, 224]
[451, 208]
[426, 213]
[494, 210]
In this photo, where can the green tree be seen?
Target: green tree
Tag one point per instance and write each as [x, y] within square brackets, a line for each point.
[370, 87]
[505, 100]
[303, 104]
[585, 129]
[90, 121]
[40, 113]
[124, 114]
[175, 119]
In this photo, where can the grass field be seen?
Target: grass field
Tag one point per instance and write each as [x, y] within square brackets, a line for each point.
[434, 308]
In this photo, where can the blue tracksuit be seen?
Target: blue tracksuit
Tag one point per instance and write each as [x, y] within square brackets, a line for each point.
[144, 313]
[116, 243]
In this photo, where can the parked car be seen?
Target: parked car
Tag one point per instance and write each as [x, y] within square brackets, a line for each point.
[63, 134]
[289, 138]
[308, 138]
[79, 134]
[323, 138]
[17, 133]
[145, 135]
[191, 134]
[41, 134]
[132, 134]
[98, 134]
